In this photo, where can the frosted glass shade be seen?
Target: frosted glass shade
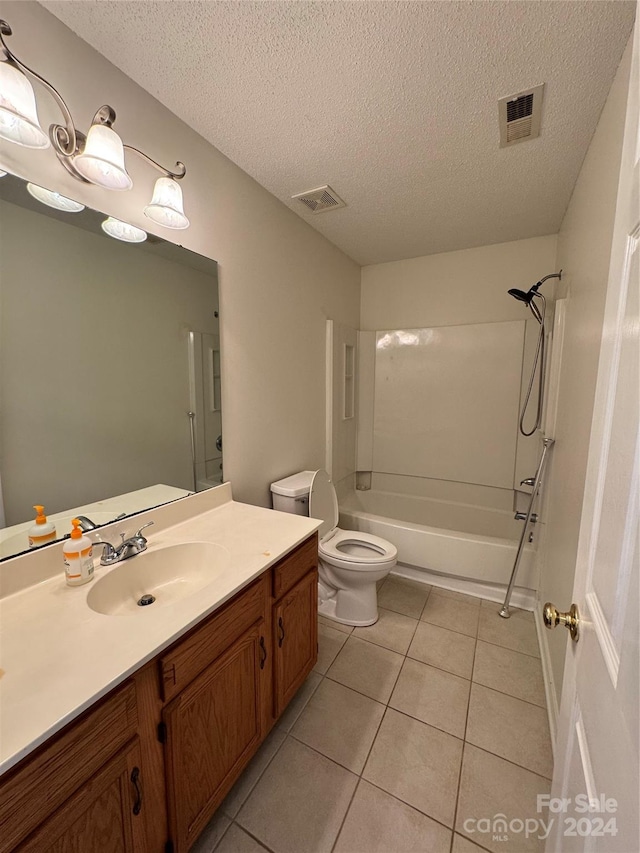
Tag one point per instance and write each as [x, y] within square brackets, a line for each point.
[53, 199]
[166, 207]
[18, 114]
[102, 160]
[2, 174]
[123, 231]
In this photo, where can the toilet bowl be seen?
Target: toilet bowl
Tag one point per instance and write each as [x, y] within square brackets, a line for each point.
[350, 562]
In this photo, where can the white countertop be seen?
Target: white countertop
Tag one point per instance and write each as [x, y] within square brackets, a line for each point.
[58, 656]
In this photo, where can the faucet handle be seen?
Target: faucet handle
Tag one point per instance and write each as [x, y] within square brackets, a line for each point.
[530, 481]
[148, 524]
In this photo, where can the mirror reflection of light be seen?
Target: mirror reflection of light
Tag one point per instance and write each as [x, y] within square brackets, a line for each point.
[123, 231]
[53, 199]
[406, 338]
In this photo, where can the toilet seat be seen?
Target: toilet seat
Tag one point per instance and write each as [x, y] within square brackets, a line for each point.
[350, 549]
[376, 550]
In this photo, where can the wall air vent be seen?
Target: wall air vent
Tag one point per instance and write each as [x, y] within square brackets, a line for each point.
[320, 199]
[519, 116]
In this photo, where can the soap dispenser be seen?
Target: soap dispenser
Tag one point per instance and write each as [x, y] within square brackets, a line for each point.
[41, 531]
[78, 557]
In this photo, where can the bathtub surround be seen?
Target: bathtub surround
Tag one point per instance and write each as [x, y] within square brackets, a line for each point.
[445, 400]
[279, 278]
[466, 289]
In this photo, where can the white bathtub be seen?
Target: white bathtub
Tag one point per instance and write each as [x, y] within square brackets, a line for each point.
[457, 541]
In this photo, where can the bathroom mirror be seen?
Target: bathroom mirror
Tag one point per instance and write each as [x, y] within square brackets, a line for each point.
[105, 347]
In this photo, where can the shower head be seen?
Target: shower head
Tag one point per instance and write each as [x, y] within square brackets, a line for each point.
[527, 297]
[521, 295]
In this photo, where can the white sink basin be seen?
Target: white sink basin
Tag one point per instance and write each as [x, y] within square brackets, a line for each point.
[168, 574]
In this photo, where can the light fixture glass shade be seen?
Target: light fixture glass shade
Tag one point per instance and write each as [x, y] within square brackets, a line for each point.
[53, 199]
[18, 114]
[2, 174]
[102, 159]
[123, 231]
[166, 207]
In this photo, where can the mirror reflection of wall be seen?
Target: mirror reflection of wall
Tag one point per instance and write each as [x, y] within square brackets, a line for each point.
[94, 366]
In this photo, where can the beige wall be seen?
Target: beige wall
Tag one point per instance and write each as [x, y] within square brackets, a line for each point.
[584, 247]
[279, 279]
[454, 288]
[466, 289]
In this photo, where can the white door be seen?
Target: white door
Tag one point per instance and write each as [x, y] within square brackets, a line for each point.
[598, 735]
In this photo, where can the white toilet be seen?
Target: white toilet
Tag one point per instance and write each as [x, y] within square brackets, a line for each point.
[350, 562]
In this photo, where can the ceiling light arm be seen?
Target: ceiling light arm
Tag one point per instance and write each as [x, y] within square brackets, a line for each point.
[177, 175]
[65, 139]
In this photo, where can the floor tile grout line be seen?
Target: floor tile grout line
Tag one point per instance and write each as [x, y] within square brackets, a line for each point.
[508, 760]
[251, 835]
[344, 817]
[464, 742]
[221, 839]
[508, 648]
[259, 777]
[473, 841]
[510, 695]
[409, 805]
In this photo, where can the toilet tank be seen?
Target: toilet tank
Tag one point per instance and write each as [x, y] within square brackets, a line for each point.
[291, 494]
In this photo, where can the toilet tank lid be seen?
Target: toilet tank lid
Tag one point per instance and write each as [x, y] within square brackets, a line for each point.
[294, 486]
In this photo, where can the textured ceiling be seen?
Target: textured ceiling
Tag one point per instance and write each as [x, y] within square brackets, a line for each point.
[394, 104]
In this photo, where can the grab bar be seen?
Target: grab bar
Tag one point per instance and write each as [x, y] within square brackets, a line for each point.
[547, 443]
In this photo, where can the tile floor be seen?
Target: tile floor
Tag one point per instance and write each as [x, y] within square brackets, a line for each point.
[405, 734]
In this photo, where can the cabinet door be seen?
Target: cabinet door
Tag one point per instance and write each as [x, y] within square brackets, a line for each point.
[295, 627]
[213, 728]
[104, 815]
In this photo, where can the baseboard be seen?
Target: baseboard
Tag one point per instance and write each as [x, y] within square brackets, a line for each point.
[553, 707]
[523, 598]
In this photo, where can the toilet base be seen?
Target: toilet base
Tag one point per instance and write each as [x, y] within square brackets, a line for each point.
[355, 604]
[328, 610]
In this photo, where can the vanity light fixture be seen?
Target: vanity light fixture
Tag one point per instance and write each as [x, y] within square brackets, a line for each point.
[123, 231]
[2, 174]
[53, 199]
[98, 157]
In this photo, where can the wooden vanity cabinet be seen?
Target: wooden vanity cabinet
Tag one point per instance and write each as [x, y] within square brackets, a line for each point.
[146, 767]
[60, 793]
[220, 714]
[295, 646]
[103, 815]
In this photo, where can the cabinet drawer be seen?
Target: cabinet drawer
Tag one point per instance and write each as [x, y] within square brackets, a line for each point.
[294, 566]
[194, 653]
[42, 783]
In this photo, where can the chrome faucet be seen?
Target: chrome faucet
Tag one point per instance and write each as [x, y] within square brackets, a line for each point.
[86, 523]
[135, 544]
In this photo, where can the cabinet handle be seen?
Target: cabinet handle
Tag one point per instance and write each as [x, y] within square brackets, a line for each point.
[135, 779]
[281, 634]
[263, 659]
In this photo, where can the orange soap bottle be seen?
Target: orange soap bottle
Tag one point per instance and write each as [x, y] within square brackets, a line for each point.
[41, 531]
[77, 553]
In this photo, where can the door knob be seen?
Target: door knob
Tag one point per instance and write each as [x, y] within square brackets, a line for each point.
[570, 620]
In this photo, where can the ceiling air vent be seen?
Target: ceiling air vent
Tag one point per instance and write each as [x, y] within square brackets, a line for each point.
[519, 116]
[320, 199]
